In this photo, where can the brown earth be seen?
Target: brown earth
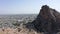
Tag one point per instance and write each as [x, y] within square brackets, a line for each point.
[15, 31]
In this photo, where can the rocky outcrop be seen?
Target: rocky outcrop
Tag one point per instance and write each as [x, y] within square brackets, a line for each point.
[48, 20]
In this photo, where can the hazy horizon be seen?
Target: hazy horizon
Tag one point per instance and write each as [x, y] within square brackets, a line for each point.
[26, 6]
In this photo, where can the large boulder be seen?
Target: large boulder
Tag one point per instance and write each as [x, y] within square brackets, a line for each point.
[48, 20]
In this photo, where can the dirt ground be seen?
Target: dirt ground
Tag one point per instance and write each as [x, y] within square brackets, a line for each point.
[17, 31]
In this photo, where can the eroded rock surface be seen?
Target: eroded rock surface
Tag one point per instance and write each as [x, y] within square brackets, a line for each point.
[48, 20]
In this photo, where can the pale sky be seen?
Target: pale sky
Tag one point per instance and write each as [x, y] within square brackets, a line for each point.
[26, 6]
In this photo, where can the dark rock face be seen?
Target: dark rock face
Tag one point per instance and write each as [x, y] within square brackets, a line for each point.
[48, 20]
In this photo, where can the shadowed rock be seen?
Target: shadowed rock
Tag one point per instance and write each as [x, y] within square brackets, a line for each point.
[48, 20]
